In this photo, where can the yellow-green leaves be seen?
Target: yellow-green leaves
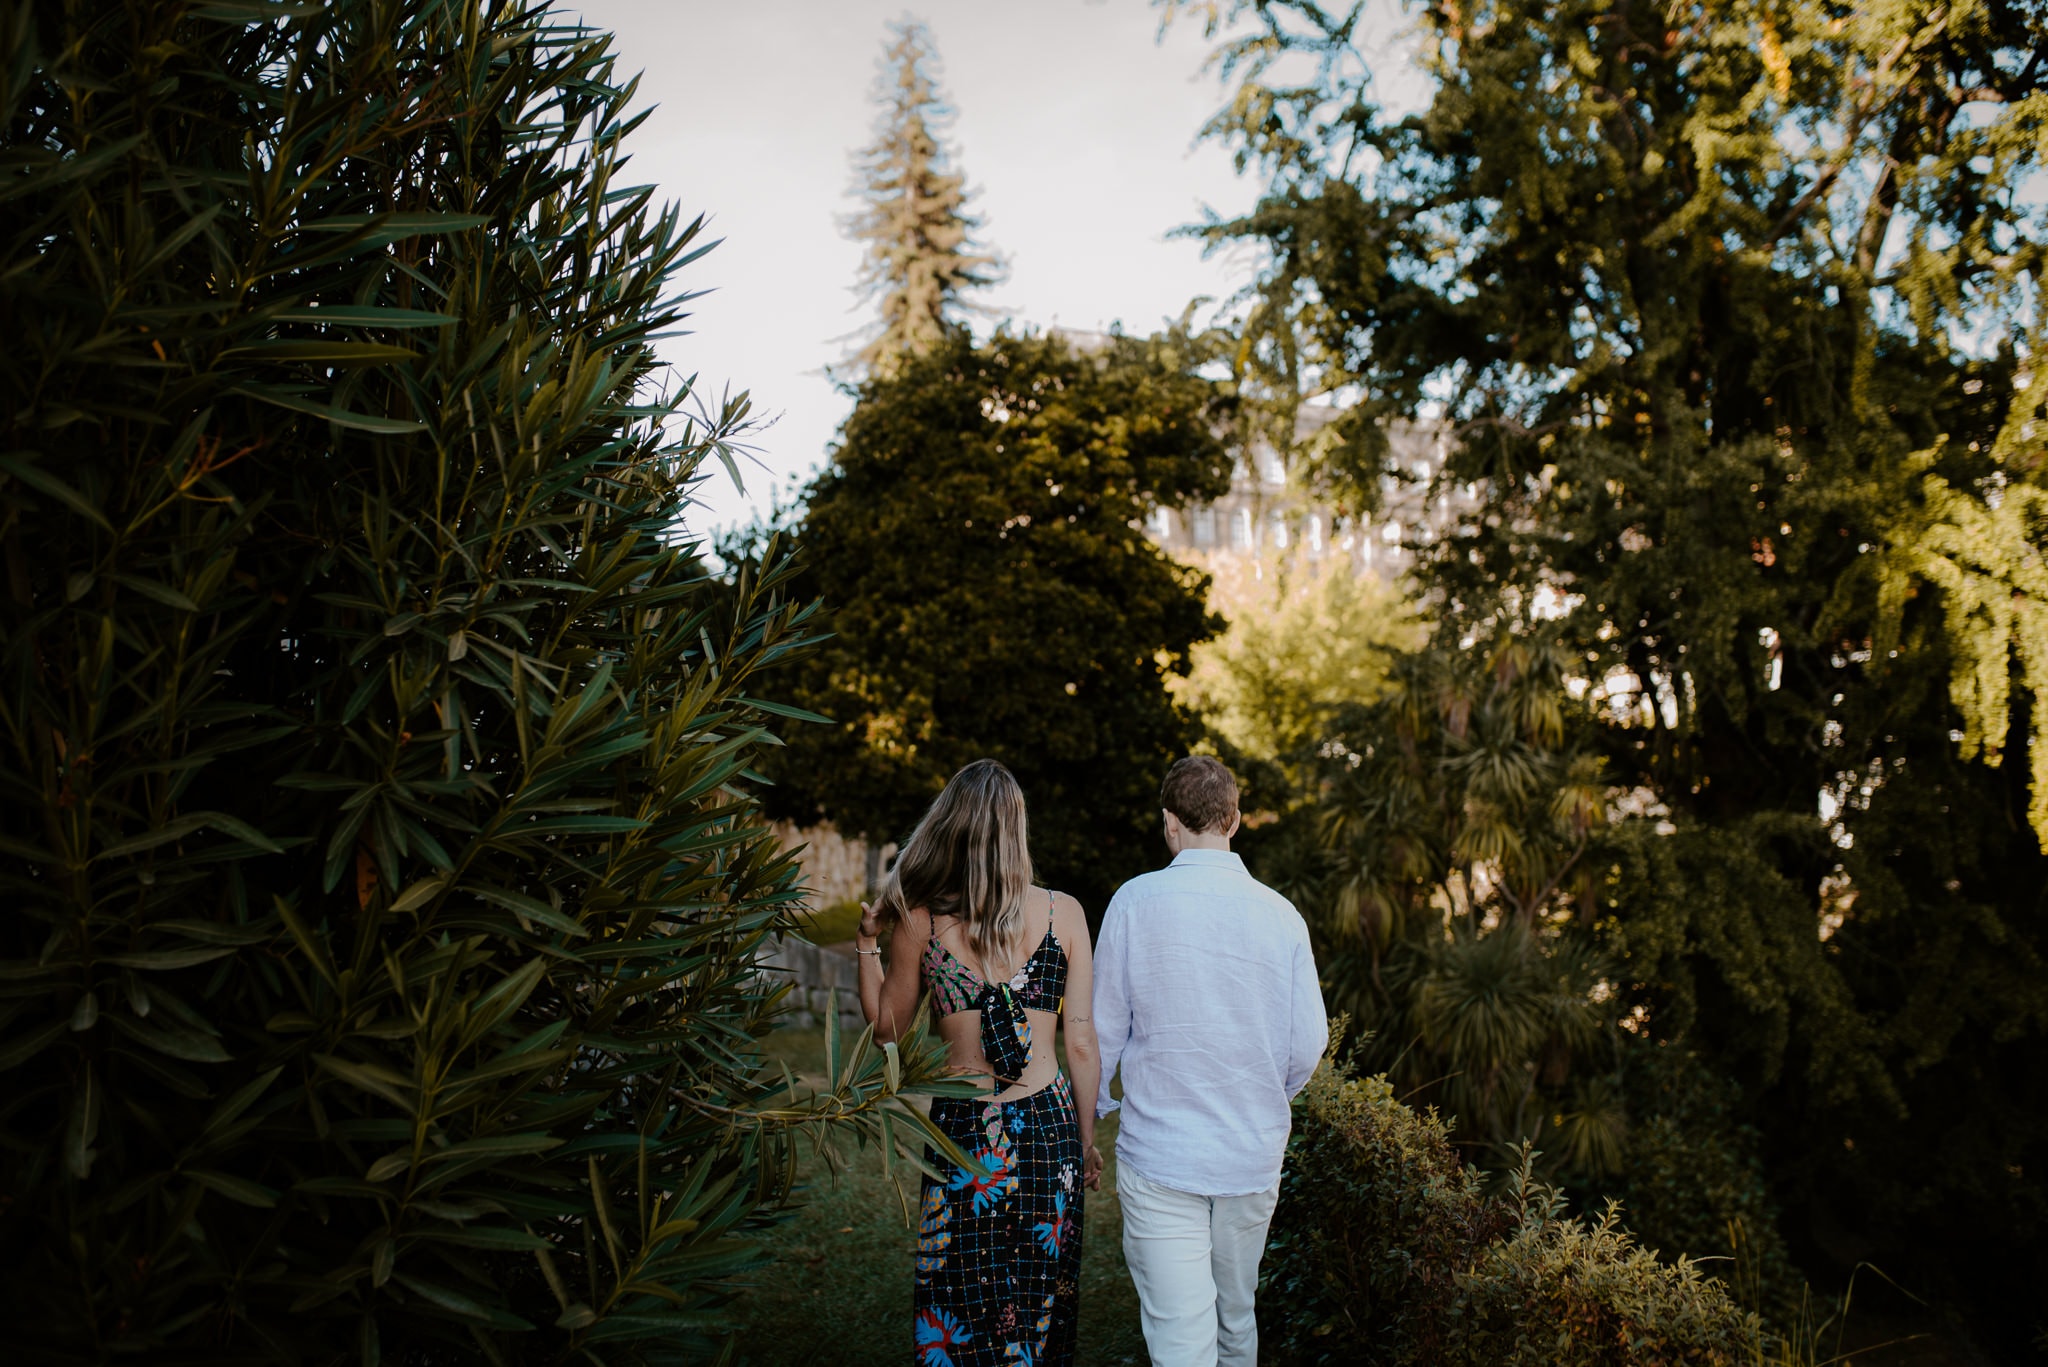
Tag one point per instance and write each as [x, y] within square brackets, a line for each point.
[1982, 552]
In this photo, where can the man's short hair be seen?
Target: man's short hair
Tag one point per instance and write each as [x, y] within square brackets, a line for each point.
[1201, 792]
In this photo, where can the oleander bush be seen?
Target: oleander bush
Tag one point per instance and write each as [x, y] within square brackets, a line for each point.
[1387, 1251]
[382, 873]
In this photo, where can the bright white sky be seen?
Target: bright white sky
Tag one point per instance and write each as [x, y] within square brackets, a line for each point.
[1076, 125]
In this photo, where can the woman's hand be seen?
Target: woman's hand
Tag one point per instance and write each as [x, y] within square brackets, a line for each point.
[1091, 1169]
[870, 924]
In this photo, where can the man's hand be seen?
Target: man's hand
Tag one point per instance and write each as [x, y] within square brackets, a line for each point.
[1091, 1169]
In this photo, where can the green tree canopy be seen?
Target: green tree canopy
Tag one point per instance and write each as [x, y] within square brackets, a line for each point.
[1303, 640]
[383, 880]
[978, 541]
[1732, 312]
[921, 255]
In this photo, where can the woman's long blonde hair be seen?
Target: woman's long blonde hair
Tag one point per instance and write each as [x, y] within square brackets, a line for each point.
[969, 857]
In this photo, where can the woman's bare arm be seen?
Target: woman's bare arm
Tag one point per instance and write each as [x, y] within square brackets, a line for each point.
[1084, 1058]
[888, 996]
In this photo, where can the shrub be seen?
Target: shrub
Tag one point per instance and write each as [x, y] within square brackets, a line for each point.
[1377, 1219]
[383, 883]
[1692, 1179]
[1387, 1250]
[1559, 1291]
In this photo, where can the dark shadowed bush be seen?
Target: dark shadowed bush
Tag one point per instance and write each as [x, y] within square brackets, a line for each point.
[382, 878]
[1693, 1177]
[1386, 1250]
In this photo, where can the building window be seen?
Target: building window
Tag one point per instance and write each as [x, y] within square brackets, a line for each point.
[1278, 531]
[1162, 524]
[1241, 530]
[1313, 534]
[1205, 526]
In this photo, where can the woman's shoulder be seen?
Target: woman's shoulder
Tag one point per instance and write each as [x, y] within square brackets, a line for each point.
[1067, 910]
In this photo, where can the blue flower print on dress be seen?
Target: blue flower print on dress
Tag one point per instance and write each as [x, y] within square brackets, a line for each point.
[938, 1334]
[1052, 1234]
[1000, 1180]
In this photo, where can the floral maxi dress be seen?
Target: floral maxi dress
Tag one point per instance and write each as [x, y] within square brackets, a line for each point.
[999, 1254]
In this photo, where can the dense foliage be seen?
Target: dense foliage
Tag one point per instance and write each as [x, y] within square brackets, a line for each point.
[920, 255]
[978, 541]
[1305, 640]
[1732, 314]
[1387, 1250]
[383, 884]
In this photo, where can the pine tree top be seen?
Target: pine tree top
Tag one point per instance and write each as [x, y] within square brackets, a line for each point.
[921, 248]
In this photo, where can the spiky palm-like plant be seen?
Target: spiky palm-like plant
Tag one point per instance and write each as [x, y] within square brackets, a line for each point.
[1454, 820]
[376, 977]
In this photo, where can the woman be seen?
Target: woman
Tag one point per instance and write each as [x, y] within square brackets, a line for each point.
[999, 1251]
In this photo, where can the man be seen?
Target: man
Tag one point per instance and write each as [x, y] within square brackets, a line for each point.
[1206, 996]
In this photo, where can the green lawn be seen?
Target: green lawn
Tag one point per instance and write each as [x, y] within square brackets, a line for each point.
[839, 1290]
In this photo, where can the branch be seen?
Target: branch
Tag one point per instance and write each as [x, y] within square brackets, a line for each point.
[1853, 125]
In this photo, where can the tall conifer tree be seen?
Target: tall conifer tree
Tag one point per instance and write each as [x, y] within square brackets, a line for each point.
[921, 249]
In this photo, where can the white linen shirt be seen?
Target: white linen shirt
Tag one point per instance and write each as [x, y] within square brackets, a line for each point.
[1206, 995]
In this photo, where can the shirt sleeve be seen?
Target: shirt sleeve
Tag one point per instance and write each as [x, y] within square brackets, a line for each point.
[1309, 1029]
[1112, 1000]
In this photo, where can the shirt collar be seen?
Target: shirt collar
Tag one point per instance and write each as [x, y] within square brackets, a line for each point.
[1209, 859]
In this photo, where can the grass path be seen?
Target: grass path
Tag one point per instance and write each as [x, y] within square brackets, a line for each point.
[838, 1293]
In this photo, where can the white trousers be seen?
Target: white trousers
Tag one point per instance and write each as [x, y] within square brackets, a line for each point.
[1195, 1260]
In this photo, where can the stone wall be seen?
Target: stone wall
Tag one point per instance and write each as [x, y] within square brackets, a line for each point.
[835, 866]
[817, 972]
[835, 871]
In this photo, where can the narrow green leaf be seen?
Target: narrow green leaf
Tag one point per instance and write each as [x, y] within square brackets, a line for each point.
[389, 1166]
[237, 1189]
[780, 709]
[341, 417]
[171, 1038]
[365, 316]
[531, 908]
[455, 1303]
[486, 1236]
[832, 1035]
[19, 1051]
[162, 960]
[328, 352]
[241, 1100]
[162, 593]
[392, 226]
[420, 893]
[42, 481]
[498, 1146]
[393, 1087]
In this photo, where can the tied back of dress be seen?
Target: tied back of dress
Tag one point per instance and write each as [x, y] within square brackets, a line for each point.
[999, 1243]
